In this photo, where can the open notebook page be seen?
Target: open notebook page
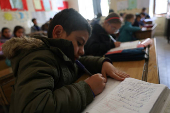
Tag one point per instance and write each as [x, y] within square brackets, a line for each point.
[130, 96]
[110, 85]
[126, 45]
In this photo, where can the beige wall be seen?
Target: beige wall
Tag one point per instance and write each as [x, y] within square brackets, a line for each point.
[73, 4]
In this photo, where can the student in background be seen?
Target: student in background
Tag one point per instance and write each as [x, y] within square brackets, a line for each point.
[138, 21]
[45, 68]
[111, 11]
[143, 16]
[144, 11]
[101, 41]
[96, 20]
[122, 16]
[127, 30]
[6, 34]
[35, 27]
[19, 31]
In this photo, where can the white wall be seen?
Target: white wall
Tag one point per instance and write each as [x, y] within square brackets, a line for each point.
[73, 4]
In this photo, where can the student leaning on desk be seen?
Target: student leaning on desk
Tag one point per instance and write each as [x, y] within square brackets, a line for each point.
[45, 68]
[101, 40]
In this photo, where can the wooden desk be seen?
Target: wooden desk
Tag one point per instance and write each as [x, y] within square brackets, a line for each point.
[2, 61]
[149, 33]
[135, 68]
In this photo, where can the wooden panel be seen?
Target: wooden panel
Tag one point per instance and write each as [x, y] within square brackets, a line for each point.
[133, 68]
[153, 76]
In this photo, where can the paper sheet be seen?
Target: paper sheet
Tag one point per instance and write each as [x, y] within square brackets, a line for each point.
[126, 45]
[47, 5]
[130, 96]
[122, 5]
[132, 4]
[37, 4]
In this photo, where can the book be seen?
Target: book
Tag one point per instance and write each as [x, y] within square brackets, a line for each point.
[130, 96]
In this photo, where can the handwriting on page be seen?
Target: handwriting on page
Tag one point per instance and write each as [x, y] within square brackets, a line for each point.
[129, 97]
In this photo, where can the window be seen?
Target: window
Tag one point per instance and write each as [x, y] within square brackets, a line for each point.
[86, 9]
[161, 6]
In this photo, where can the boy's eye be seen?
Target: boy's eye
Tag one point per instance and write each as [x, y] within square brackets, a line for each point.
[78, 43]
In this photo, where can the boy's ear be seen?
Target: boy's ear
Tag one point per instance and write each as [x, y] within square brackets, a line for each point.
[57, 31]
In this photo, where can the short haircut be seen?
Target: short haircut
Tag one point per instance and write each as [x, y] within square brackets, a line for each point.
[111, 11]
[143, 14]
[70, 20]
[129, 16]
[3, 29]
[16, 29]
[143, 9]
[138, 16]
[115, 21]
[33, 20]
[121, 14]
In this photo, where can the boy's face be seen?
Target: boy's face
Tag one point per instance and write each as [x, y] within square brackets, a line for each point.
[138, 19]
[78, 39]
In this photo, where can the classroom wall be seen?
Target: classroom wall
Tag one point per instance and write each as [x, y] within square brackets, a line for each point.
[114, 6]
[12, 18]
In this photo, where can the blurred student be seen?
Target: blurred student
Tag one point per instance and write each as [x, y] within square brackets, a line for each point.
[35, 27]
[101, 40]
[144, 11]
[122, 16]
[19, 31]
[5, 34]
[143, 16]
[111, 11]
[127, 30]
[138, 21]
[96, 20]
[45, 68]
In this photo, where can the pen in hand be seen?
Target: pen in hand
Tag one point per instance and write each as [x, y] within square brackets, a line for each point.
[82, 67]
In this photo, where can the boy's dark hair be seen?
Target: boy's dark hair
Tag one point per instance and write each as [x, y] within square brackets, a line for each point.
[143, 9]
[33, 20]
[143, 14]
[121, 14]
[129, 16]
[111, 11]
[70, 20]
[16, 29]
[138, 16]
[116, 21]
[3, 29]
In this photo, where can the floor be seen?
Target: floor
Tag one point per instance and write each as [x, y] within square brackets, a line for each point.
[163, 58]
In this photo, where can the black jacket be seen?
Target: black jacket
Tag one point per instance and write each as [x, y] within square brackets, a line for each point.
[99, 42]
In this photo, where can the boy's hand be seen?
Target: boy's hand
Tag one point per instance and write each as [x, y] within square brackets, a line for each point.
[109, 70]
[97, 83]
[117, 44]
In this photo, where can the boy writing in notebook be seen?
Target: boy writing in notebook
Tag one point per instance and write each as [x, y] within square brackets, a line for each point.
[45, 68]
[127, 30]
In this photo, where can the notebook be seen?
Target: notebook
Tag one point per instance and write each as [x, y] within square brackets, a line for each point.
[130, 96]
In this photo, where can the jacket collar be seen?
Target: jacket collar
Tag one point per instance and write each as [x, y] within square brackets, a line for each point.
[60, 47]
[99, 29]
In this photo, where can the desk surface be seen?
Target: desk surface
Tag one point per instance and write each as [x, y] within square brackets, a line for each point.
[135, 68]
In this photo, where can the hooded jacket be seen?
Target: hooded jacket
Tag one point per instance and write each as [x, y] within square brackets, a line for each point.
[99, 42]
[45, 73]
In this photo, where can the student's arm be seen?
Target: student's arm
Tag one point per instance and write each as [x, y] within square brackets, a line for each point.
[35, 89]
[133, 29]
[93, 64]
